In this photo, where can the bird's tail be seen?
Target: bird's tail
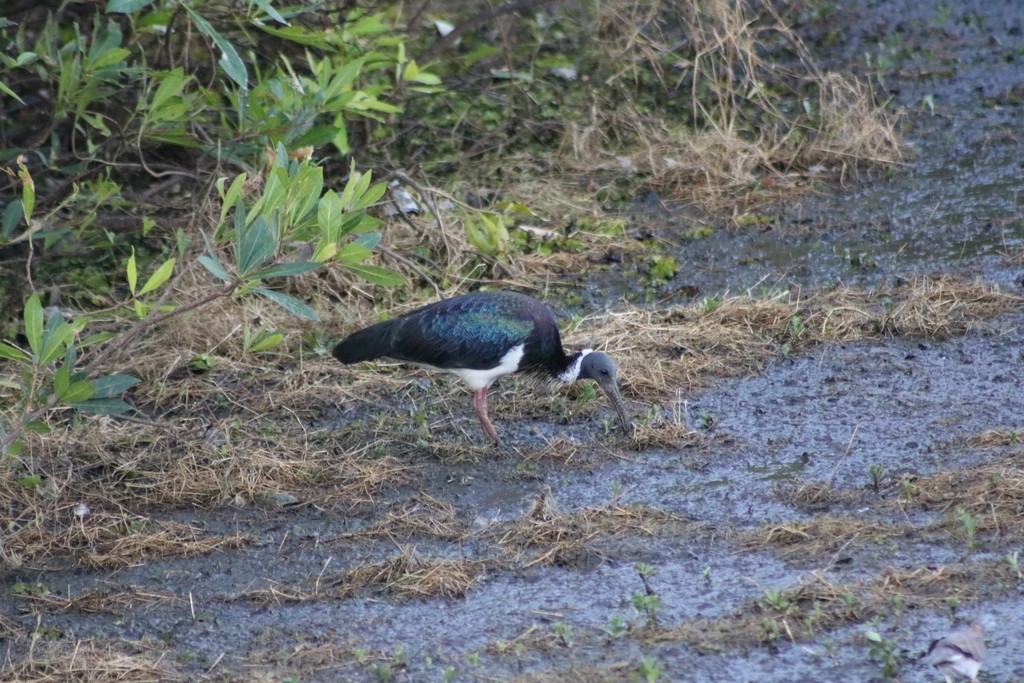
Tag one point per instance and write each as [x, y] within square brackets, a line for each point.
[373, 342]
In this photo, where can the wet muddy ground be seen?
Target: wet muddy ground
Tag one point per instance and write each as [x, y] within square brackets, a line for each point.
[901, 408]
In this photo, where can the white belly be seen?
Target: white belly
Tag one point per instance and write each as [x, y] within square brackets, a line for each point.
[478, 379]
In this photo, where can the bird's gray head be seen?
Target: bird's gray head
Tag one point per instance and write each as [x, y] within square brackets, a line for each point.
[598, 366]
[601, 368]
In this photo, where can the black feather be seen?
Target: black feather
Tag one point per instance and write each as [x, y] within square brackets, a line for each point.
[363, 345]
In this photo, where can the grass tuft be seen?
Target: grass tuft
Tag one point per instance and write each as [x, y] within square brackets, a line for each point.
[94, 662]
[411, 576]
[547, 536]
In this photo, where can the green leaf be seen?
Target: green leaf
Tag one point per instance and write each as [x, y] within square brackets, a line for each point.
[275, 189]
[162, 274]
[289, 303]
[10, 93]
[109, 57]
[62, 379]
[304, 190]
[76, 392]
[477, 237]
[182, 241]
[132, 272]
[95, 338]
[300, 36]
[329, 213]
[111, 386]
[355, 187]
[414, 74]
[271, 12]
[365, 223]
[350, 223]
[28, 191]
[126, 6]
[30, 482]
[34, 324]
[365, 103]
[287, 269]
[255, 244]
[230, 197]
[317, 136]
[353, 252]
[487, 234]
[172, 84]
[57, 337]
[265, 341]
[215, 268]
[376, 275]
[38, 427]
[103, 406]
[372, 195]
[105, 40]
[70, 359]
[229, 60]
[325, 251]
[12, 218]
[11, 352]
[340, 139]
[368, 240]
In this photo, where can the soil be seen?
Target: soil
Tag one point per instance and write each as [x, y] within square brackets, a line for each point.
[908, 407]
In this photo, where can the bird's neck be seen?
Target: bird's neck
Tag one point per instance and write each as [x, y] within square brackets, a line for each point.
[572, 369]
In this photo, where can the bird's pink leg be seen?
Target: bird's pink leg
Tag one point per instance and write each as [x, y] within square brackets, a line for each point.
[479, 404]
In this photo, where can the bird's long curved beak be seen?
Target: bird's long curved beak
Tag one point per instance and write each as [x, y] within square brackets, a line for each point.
[611, 387]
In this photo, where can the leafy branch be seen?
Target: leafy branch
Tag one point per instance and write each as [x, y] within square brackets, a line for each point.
[292, 206]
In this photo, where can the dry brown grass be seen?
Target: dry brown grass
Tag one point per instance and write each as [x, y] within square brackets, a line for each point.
[663, 349]
[819, 604]
[995, 438]
[977, 505]
[98, 601]
[406, 576]
[579, 672]
[814, 537]
[564, 452]
[718, 54]
[94, 662]
[9, 629]
[852, 127]
[410, 576]
[91, 478]
[534, 639]
[279, 594]
[421, 515]
[151, 465]
[105, 540]
[672, 434]
[992, 494]
[816, 495]
[548, 536]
